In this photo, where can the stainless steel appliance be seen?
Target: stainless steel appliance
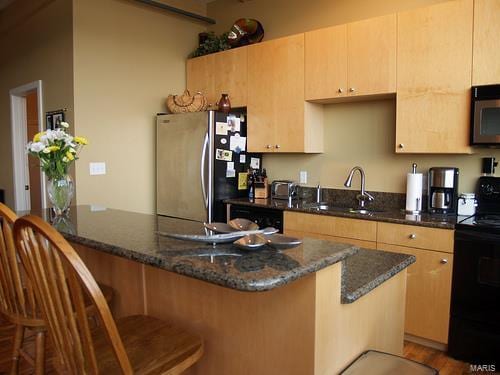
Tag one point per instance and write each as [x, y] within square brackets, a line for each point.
[443, 188]
[474, 334]
[485, 115]
[284, 189]
[196, 167]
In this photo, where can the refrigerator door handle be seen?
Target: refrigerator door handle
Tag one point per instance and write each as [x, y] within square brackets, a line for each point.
[202, 169]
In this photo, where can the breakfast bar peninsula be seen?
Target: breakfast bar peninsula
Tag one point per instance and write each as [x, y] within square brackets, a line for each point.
[306, 310]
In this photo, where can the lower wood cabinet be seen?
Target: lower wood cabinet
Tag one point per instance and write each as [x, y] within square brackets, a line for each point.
[428, 294]
[360, 233]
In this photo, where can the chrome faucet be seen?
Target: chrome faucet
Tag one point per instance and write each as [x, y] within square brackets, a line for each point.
[318, 194]
[363, 196]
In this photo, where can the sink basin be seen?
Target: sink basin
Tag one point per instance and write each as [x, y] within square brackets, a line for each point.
[363, 211]
[323, 206]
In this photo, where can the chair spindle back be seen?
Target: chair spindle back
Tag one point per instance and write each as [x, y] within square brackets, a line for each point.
[60, 279]
[17, 299]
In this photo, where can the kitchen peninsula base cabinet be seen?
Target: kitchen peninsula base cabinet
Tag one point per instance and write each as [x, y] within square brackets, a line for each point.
[429, 279]
[298, 328]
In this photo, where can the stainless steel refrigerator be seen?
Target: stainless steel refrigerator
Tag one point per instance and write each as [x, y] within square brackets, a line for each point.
[200, 163]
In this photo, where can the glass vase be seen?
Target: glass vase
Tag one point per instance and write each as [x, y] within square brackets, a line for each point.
[60, 191]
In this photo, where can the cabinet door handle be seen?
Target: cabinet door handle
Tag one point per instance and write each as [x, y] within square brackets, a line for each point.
[443, 261]
[340, 90]
[268, 146]
[351, 89]
[277, 146]
[401, 146]
[412, 236]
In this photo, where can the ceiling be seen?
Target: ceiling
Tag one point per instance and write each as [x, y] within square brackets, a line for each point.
[5, 3]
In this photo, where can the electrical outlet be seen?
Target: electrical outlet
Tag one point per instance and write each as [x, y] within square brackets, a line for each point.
[97, 168]
[303, 177]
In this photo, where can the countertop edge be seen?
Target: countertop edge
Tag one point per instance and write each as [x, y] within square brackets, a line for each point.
[350, 297]
[235, 284]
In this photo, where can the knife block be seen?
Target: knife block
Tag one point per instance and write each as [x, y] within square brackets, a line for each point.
[261, 189]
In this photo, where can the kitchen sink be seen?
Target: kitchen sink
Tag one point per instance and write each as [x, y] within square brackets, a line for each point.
[323, 206]
[363, 211]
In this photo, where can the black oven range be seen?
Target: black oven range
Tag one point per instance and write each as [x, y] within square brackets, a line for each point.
[474, 334]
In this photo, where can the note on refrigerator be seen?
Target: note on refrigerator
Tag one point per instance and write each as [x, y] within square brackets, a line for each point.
[233, 123]
[255, 163]
[221, 154]
[237, 144]
[220, 128]
[230, 171]
[242, 180]
[243, 158]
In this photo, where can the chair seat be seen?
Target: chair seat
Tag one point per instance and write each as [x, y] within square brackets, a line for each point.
[152, 345]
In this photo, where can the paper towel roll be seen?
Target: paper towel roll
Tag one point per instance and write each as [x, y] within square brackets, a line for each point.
[414, 191]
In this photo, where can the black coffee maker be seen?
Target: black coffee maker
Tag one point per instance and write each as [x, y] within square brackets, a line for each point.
[443, 190]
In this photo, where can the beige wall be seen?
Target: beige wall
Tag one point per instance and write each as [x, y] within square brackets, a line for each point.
[38, 48]
[363, 134]
[359, 133]
[128, 58]
[286, 17]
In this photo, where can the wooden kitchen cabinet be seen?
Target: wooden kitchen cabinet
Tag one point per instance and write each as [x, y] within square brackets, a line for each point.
[429, 279]
[486, 58]
[354, 59]
[434, 63]
[416, 236]
[326, 63]
[279, 120]
[361, 233]
[200, 77]
[428, 293]
[218, 73]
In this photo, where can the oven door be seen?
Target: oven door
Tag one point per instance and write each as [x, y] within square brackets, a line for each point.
[486, 122]
[476, 277]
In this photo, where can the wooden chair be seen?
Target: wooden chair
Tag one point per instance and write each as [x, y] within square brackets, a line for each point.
[135, 344]
[17, 299]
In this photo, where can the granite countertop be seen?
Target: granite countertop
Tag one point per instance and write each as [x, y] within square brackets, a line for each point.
[134, 236]
[396, 216]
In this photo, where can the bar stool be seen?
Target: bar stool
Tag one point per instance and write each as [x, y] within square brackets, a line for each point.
[18, 304]
[135, 344]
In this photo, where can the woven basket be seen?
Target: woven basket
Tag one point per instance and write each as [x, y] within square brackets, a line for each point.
[187, 102]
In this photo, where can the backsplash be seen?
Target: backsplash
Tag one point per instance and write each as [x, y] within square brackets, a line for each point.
[347, 198]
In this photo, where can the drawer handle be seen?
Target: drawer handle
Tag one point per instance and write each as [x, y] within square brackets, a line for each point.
[412, 236]
[443, 261]
[268, 146]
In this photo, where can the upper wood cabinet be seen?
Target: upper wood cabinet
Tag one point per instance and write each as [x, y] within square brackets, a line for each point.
[218, 73]
[279, 120]
[434, 63]
[486, 58]
[351, 60]
[326, 63]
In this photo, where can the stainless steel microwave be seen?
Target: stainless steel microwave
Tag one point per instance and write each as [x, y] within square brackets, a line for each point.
[485, 115]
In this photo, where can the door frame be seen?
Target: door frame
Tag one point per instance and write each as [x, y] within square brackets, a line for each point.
[18, 109]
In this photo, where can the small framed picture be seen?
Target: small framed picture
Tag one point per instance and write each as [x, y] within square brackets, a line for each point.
[57, 118]
[48, 122]
[53, 119]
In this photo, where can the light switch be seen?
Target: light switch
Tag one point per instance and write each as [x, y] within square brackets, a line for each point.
[97, 168]
[303, 177]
